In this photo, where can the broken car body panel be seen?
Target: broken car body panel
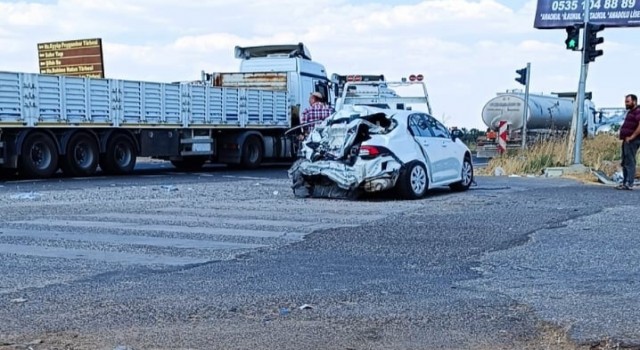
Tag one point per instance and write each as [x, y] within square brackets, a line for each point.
[334, 153]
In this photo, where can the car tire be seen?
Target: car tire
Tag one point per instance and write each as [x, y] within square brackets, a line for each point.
[414, 181]
[467, 177]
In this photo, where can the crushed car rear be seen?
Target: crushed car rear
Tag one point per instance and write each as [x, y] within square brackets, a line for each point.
[344, 155]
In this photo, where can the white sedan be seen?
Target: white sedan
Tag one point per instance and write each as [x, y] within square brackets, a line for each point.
[369, 149]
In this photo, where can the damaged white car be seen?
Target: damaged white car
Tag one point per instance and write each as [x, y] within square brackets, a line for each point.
[367, 149]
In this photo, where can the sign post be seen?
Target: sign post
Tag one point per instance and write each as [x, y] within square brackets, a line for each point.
[80, 58]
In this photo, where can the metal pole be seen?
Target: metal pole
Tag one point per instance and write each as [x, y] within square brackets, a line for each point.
[525, 113]
[584, 68]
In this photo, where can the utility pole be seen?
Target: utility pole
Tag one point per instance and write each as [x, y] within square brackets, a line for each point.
[589, 54]
[582, 86]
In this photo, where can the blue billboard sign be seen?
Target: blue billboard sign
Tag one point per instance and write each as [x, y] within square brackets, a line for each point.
[552, 14]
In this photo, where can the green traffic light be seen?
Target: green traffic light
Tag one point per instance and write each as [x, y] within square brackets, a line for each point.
[573, 36]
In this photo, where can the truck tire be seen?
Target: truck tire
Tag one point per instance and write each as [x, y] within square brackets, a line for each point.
[120, 157]
[189, 163]
[413, 182]
[39, 157]
[252, 153]
[467, 177]
[82, 154]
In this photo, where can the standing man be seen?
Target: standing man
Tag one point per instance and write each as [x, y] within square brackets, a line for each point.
[630, 136]
[315, 113]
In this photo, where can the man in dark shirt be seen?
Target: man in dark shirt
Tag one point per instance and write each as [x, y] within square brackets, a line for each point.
[630, 136]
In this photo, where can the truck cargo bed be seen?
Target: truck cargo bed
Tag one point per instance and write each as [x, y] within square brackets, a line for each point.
[38, 100]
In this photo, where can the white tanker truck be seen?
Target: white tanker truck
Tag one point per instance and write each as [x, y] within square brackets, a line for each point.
[547, 115]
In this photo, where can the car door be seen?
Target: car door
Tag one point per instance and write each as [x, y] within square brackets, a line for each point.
[419, 126]
[449, 160]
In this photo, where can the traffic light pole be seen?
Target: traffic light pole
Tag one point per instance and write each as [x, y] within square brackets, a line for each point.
[584, 69]
[525, 113]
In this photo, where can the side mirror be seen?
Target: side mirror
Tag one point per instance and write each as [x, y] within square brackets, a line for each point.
[456, 134]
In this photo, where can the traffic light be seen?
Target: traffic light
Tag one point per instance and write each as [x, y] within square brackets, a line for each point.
[573, 37]
[523, 76]
[590, 52]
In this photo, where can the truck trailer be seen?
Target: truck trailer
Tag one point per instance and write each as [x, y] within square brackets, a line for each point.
[74, 124]
[547, 116]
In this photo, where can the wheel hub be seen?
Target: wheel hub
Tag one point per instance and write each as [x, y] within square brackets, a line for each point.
[40, 155]
[418, 180]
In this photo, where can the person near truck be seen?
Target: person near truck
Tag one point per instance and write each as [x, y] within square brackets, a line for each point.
[630, 136]
[314, 114]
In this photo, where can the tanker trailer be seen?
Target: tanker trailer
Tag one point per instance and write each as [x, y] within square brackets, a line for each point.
[546, 114]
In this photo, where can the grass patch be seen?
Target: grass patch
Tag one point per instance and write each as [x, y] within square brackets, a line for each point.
[600, 153]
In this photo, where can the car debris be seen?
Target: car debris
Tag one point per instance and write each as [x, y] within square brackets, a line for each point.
[26, 196]
[616, 179]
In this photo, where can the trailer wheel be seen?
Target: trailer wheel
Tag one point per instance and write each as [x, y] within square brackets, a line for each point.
[189, 163]
[81, 158]
[120, 157]
[39, 158]
[252, 153]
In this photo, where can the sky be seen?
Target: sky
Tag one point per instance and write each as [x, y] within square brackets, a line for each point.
[467, 50]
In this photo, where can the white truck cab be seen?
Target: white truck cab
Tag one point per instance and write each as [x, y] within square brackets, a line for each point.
[279, 67]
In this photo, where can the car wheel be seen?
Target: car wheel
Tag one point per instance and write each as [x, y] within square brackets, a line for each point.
[414, 181]
[467, 177]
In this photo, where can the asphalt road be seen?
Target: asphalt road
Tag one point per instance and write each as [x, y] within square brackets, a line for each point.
[223, 259]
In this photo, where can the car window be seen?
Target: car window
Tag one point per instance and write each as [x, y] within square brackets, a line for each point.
[419, 126]
[437, 128]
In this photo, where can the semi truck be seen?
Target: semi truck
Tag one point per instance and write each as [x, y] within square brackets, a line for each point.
[75, 124]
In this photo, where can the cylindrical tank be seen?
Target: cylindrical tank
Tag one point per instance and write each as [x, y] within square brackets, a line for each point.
[545, 112]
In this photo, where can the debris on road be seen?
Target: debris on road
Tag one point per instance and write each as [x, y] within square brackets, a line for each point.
[499, 172]
[26, 196]
[618, 177]
[169, 188]
[284, 311]
[19, 300]
[306, 307]
[121, 347]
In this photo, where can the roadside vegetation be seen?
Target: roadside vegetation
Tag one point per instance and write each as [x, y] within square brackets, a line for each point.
[599, 153]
